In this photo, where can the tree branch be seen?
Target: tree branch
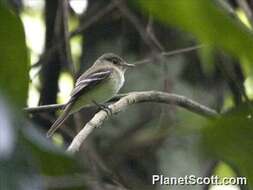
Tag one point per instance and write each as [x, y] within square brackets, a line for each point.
[44, 108]
[133, 98]
[140, 62]
[52, 107]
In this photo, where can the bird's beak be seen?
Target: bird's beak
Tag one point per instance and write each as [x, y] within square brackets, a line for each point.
[128, 65]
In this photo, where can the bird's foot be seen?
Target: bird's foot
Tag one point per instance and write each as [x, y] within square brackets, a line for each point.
[103, 107]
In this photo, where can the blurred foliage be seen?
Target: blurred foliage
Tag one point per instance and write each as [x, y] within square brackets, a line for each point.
[27, 159]
[224, 170]
[207, 21]
[13, 57]
[229, 138]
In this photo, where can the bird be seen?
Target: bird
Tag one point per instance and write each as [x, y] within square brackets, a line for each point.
[97, 85]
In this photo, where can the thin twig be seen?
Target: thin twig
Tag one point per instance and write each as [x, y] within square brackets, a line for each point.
[133, 98]
[152, 36]
[132, 18]
[44, 108]
[171, 53]
[143, 61]
[93, 19]
[100, 14]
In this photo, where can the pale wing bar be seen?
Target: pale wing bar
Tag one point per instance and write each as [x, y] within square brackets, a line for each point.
[92, 77]
[83, 83]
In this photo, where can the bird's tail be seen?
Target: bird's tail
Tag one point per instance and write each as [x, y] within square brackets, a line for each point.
[60, 120]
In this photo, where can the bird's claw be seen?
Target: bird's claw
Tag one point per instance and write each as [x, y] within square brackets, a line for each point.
[104, 108]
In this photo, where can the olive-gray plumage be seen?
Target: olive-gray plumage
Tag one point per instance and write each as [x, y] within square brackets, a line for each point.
[99, 84]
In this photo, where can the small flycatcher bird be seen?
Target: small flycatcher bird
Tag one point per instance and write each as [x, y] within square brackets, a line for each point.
[98, 84]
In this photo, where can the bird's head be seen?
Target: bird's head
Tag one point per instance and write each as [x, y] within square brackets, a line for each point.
[115, 60]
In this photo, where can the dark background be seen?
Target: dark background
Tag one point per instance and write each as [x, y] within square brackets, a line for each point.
[39, 66]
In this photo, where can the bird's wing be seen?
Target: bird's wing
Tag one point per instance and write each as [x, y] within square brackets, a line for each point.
[84, 82]
[90, 80]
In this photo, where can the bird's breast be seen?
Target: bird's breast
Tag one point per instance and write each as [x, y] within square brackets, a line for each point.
[118, 79]
[102, 92]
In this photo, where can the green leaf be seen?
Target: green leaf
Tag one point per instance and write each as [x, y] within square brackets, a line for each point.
[29, 161]
[13, 58]
[230, 138]
[207, 21]
[50, 160]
